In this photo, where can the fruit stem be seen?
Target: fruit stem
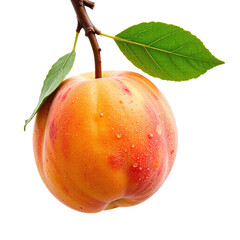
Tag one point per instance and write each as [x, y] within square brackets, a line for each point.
[90, 31]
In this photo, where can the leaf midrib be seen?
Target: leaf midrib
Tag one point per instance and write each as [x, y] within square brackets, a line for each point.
[161, 50]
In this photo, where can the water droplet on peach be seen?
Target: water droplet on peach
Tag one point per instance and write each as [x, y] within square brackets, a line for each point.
[118, 136]
[140, 168]
[150, 135]
[101, 114]
[135, 165]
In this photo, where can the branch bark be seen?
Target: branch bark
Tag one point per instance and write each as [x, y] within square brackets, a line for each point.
[90, 31]
[89, 4]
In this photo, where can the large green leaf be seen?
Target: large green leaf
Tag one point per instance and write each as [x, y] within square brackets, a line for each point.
[54, 78]
[165, 51]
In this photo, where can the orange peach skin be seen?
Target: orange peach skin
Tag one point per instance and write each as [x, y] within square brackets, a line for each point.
[104, 143]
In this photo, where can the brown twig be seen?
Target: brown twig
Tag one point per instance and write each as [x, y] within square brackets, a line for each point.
[79, 27]
[89, 4]
[90, 31]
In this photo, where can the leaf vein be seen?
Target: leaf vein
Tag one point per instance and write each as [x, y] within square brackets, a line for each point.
[176, 64]
[156, 62]
[193, 66]
[142, 32]
[163, 37]
[133, 54]
[184, 45]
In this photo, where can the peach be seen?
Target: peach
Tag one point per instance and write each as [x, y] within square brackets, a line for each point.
[104, 143]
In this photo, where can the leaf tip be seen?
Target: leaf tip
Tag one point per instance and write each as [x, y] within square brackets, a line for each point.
[25, 125]
[28, 121]
[221, 62]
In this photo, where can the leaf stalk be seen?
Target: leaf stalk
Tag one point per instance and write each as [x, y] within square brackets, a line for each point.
[75, 41]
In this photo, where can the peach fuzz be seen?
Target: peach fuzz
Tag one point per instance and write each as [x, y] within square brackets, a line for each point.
[104, 143]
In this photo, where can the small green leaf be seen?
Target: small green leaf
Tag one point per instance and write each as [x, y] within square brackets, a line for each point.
[55, 76]
[165, 51]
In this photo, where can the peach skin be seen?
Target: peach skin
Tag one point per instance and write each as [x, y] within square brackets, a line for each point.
[105, 143]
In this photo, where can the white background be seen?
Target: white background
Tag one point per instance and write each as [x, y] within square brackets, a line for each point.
[200, 199]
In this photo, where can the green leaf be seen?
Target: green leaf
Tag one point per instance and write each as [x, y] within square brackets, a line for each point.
[165, 51]
[55, 76]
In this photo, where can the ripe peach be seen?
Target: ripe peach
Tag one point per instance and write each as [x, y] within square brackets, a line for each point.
[104, 143]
